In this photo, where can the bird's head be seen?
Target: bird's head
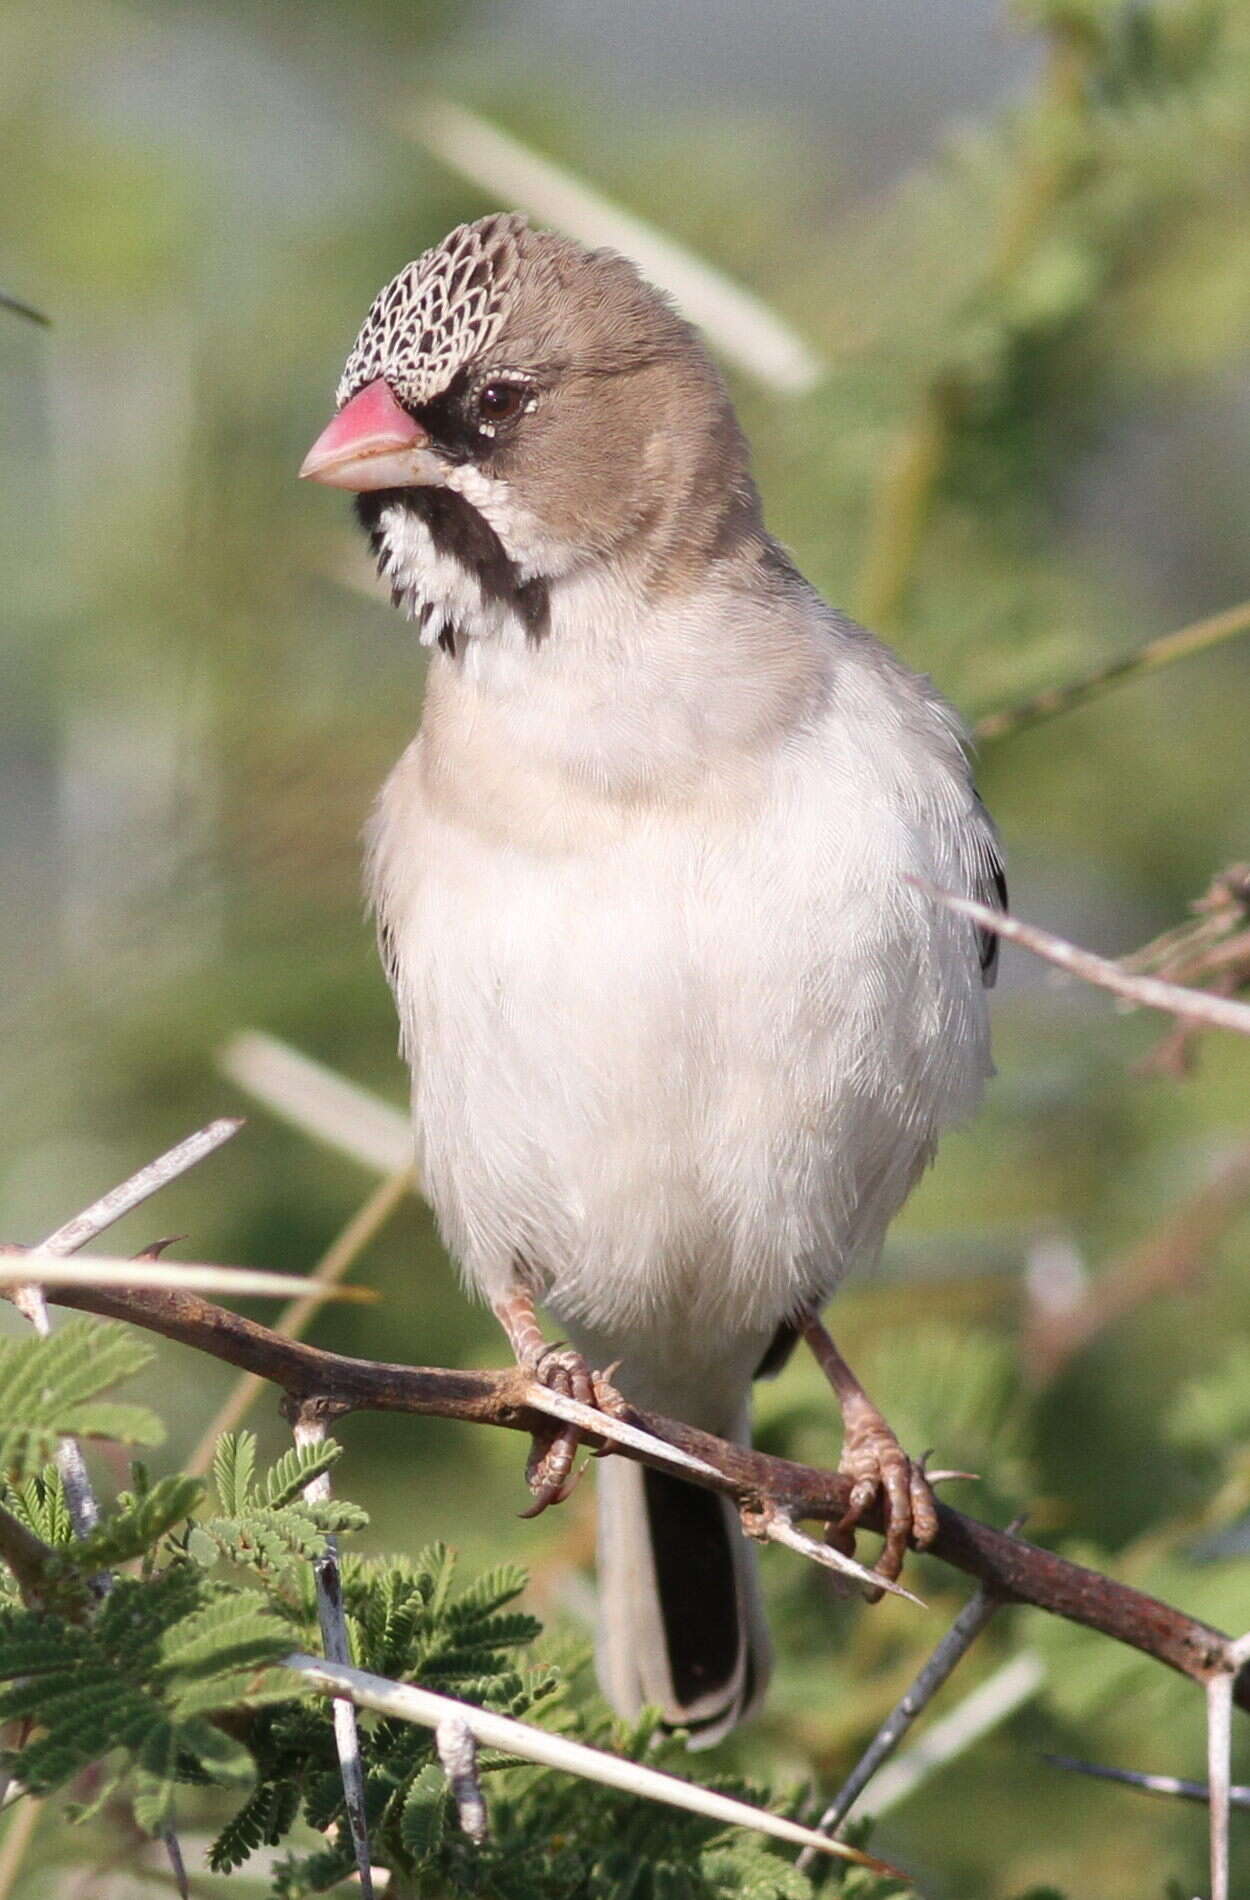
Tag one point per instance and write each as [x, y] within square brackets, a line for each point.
[516, 409]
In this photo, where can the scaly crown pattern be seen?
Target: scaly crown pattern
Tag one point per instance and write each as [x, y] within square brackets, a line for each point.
[440, 312]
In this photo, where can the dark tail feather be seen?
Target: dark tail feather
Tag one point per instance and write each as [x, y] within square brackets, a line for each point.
[681, 1624]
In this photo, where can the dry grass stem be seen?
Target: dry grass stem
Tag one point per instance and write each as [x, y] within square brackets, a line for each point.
[739, 325]
[1150, 658]
[320, 1103]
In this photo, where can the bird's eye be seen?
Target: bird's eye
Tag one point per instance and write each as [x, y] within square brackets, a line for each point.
[500, 402]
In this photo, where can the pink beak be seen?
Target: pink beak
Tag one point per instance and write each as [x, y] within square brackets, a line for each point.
[373, 443]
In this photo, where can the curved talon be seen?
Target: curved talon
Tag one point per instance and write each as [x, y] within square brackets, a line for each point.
[874, 1459]
[549, 1470]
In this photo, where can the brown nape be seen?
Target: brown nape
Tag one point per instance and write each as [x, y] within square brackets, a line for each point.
[634, 453]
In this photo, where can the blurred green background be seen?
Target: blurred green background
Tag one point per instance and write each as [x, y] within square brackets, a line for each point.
[1017, 241]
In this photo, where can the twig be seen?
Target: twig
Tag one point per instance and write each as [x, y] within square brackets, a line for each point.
[140, 1187]
[990, 1703]
[1011, 1567]
[1169, 1785]
[738, 324]
[177, 1866]
[316, 1100]
[23, 309]
[411, 1704]
[1150, 658]
[457, 1751]
[21, 1833]
[953, 1647]
[339, 1256]
[1150, 992]
[1219, 1776]
[328, 1581]
[79, 1497]
[154, 1275]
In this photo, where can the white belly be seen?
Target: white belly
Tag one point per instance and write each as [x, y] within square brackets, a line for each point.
[684, 1076]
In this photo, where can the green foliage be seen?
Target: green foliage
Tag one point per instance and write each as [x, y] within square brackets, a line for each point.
[51, 1387]
[266, 1524]
[139, 1682]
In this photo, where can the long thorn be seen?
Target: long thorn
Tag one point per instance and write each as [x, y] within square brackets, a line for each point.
[328, 1580]
[140, 1186]
[1173, 1787]
[406, 1702]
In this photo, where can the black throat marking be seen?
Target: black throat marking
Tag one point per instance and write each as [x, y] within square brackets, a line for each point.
[463, 535]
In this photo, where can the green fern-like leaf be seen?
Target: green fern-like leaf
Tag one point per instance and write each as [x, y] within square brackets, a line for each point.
[423, 1820]
[136, 1524]
[51, 1388]
[234, 1464]
[297, 1468]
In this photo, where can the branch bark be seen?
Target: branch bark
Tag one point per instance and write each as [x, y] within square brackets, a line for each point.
[331, 1385]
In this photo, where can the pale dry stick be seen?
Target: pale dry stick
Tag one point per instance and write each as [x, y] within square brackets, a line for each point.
[988, 1705]
[17, 1842]
[318, 1101]
[339, 1256]
[140, 1186]
[29, 1297]
[328, 1580]
[170, 1276]
[953, 1647]
[737, 324]
[407, 1703]
[457, 1751]
[1219, 1776]
[75, 1233]
[1172, 1786]
[1198, 637]
[1150, 992]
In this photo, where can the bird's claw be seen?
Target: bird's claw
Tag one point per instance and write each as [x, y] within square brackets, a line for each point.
[549, 1470]
[878, 1466]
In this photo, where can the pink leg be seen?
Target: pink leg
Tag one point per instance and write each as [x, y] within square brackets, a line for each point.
[873, 1458]
[549, 1469]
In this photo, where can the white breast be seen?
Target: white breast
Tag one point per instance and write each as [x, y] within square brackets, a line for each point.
[683, 1060]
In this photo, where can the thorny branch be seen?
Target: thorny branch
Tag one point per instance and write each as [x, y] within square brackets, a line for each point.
[331, 1385]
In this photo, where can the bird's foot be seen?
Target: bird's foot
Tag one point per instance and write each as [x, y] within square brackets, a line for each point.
[877, 1466]
[549, 1469]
